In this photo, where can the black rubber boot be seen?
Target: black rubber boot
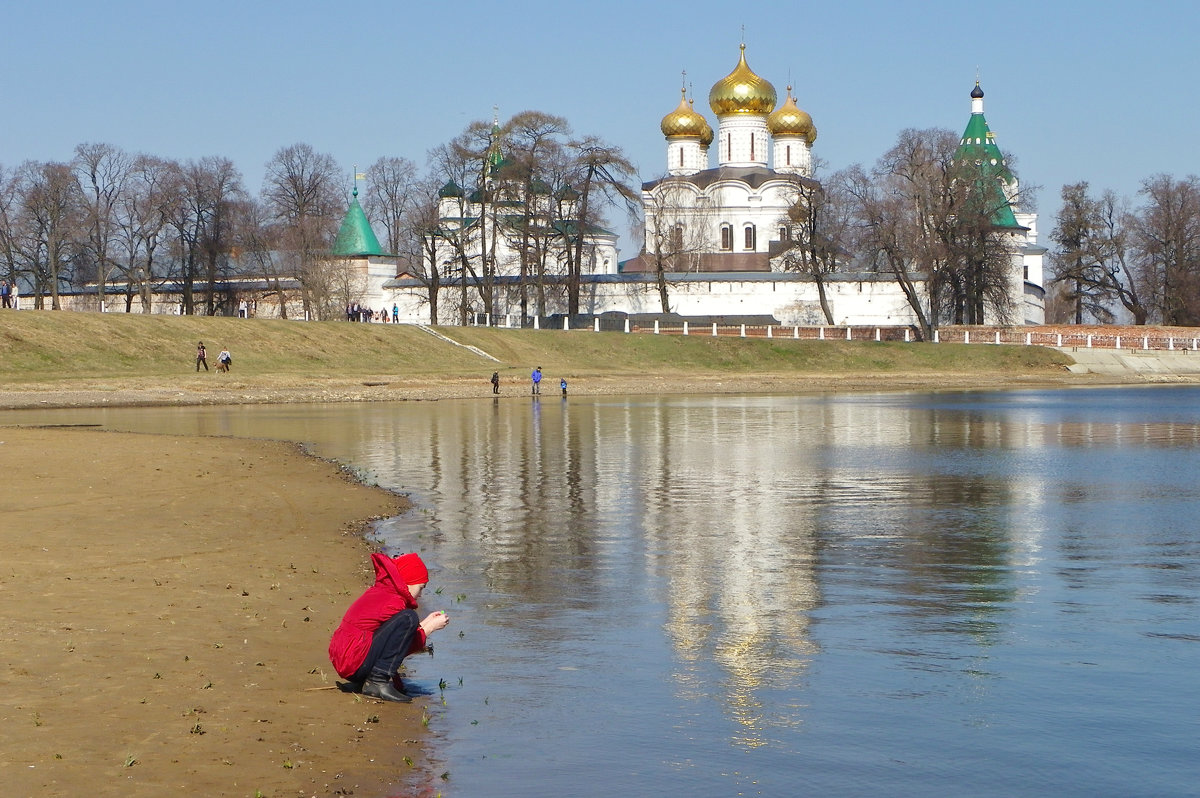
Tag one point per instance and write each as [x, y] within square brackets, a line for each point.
[381, 687]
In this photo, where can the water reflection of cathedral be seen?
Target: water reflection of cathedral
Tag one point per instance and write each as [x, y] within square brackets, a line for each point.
[736, 541]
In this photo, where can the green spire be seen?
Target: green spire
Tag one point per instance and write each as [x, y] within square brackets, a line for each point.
[977, 148]
[355, 237]
[495, 156]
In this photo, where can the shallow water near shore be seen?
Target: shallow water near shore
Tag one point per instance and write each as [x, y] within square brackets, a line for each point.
[901, 594]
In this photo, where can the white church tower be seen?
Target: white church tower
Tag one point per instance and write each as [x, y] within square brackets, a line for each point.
[794, 134]
[688, 136]
[742, 101]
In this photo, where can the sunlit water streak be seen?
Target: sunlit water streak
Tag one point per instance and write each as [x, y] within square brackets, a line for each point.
[983, 594]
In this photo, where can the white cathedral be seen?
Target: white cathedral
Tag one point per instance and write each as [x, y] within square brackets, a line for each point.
[724, 227]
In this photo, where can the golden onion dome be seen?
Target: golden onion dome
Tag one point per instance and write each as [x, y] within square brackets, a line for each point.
[706, 135]
[789, 120]
[683, 121]
[742, 92]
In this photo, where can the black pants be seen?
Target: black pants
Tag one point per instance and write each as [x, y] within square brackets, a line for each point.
[389, 646]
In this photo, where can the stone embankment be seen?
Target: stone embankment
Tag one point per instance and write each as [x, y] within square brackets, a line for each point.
[1181, 365]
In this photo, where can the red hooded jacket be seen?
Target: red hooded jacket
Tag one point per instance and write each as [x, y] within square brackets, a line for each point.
[388, 596]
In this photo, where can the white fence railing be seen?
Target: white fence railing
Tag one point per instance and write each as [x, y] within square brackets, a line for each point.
[1147, 340]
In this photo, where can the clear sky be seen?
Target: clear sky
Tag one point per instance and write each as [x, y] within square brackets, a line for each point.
[1098, 91]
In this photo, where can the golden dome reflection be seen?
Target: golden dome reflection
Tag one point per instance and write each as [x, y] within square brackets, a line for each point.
[742, 92]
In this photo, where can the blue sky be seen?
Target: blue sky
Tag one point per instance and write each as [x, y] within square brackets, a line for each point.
[1096, 91]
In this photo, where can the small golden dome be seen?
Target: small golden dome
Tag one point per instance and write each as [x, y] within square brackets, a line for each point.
[742, 92]
[684, 122]
[791, 121]
[706, 135]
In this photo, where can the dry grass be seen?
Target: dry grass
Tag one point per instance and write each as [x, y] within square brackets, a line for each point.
[52, 346]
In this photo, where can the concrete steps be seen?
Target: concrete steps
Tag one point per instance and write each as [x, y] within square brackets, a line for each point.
[1126, 362]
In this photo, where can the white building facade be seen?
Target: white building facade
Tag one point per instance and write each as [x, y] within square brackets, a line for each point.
[716, 233]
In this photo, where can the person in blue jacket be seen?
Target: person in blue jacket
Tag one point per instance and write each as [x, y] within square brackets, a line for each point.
[537, 380]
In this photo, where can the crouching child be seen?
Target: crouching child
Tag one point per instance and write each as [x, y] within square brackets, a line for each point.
[381, 628]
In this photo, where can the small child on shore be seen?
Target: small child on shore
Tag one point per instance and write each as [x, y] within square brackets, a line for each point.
[380, 628]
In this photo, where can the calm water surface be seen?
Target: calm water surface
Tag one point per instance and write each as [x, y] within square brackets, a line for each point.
[947, 594]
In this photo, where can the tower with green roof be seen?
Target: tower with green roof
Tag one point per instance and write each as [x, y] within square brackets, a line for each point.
[978, 153]
[980, 160]
[355, 238]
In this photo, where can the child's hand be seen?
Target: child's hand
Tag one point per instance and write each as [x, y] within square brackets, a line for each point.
[434, 621]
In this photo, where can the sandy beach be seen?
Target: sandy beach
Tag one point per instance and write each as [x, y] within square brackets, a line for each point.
[167, 606]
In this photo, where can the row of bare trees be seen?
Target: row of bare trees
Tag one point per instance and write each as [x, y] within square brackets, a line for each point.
[127, 224]
[530, 192]
[131, 223]
[1141, 261]
[924, 215]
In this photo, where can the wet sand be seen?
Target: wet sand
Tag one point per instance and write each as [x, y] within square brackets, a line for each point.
[167, 606]
[222, 389]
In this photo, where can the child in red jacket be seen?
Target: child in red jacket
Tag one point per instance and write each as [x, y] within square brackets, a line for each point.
[380, 629]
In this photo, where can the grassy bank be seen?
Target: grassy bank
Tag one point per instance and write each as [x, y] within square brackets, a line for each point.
[48, 346]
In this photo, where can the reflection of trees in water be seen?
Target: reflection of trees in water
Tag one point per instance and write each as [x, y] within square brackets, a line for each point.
[732, 509]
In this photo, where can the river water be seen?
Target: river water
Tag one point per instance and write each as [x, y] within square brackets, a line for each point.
[986, 594]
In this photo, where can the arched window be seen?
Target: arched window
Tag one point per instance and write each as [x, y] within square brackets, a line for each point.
[726, 236]
[681, 156]
[785, 234]
[752, 146]
[677, 238]
[750, 237]
[788, 158]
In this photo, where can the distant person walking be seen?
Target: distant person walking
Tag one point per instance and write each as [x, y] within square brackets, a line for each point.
[562, 383]
[495, 382]
[201, 356]
[537, 380]
[5, 294]
[224, 360]
[395, 314]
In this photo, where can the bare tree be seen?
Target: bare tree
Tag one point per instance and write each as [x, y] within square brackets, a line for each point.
[535, 144]
[257, 241]
[302, 191]
[889, 239]
[142, 216]
[817, 228]
[103, 171]
[1166, 234]
[1091, 260]
[675, 233]
[392, 192]
[421, 248]
[958, 228]
[601, 177]
[51, 210]
[471, 159]
[10, 208]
